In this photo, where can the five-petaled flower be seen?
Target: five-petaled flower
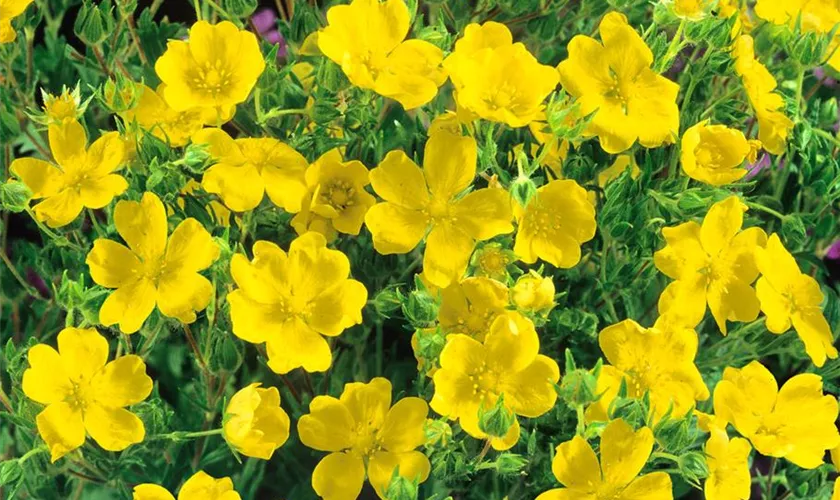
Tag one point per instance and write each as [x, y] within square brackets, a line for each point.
[151, 113]
[791, 297]
[714, 154]
[85, 393]
[473, 376]
[712, 263]
[367, 39]
[215, 69]
[471, 305]
[795, 422]
[420, 201]
[291, 301]
[83, 177]
[624, 453]
[255, 424]
[365, 435]
[201, 486]
[614, 80]
[152, 269]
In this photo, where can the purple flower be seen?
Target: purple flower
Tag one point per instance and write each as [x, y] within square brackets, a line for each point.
[833, 252]
[265, 23]
[754, 169]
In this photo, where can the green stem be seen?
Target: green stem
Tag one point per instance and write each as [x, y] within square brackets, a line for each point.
[31, 453]
[184, 435]
[827, 136]
[666, 456]
[96, 226]
[767, 210]
[768, 490]
[30, 290]
[673, 48]
[58, 239]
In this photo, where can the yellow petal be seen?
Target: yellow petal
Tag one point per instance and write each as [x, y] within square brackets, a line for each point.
[338, 308]
[106, 154]
[112, 265]
[283, 175]
[202, 486]
[254, 422]
[565, 494]
[412, 465]
[68, 142]
[129, 306]
[684, 301]
[608, 385]
[683, 254]
[61, 427]
[45, 381]
[531, 391]
[114, 429]
[240, 187]
[412, 74]
[151, 492]
[745, 396]
[123, 382]
[485, 213]
[448, 251]
[729, 471]
[399, 180]
[627, 53]
[143, 226]
[41, 177]
[576, 466]
[339, 476]
[624, 452]
[449, 164]
[815, 332]
[732, 300]
[98, 193]
[83, 351]
[775, 306]
[402, 429]
[254, 321]
[368, 402]
[313, 268]
[721, 224]
[60, 209]
[512, 344]
[190, 248]
[329, 426]
[776, 264]
[395, 229]
[298, 346]
[651, 486]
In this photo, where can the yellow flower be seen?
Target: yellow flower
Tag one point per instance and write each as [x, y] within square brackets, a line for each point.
[471, 305]
[808, 16]
[200, 486]
[365, 434]
[220, 213]
[491, 261]
[714, 154]
[152, 270]
[84, 393]
[790, 297]
[615, 80]
[290, 301]
[533, 293]
[246, 169]
[691, 10]
[496, 79]
[773, 125]
[621, 163]
[658, 360]
[420, 201]
[795, 422]
[473, 375]
[729, 469]
[367, 39]
[154, 115]
[556, 221]
[624, 452]
[216, 69]
[713, 263]
[336, 192]
[10, 9]
[255, 424]
[63, 108]
[83, 177]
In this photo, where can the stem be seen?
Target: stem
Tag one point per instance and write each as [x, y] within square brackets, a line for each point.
[673, 47]
[764, 209]
[768, 491]
[484, 451]
[31, 453]
[132, 29]
[96, 226]
[30, 290]
[53, 236]
[101, 59]
[827, 136]
[379, 348]
[194, 347]
[183, 435]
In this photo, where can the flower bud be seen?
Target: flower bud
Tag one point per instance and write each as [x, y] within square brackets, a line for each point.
[387, 302]
[522, 189]
[62, 108]
[14, 196]
[121, 94]
[579, 388]
[254, 423]
[693, 466]
[95, 23]
[438, 432]
[533, 293]
[496, 421]
[491, 261]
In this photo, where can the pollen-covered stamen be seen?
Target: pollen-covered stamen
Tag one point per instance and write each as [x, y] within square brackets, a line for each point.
[338, 194]
[213, 78]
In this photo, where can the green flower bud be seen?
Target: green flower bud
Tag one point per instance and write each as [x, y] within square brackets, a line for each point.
[10, 472]
[579, 388]
[229, 358]
[325, 111]
[14, 196]
[196, 157]
[126, 7]
[693, 466]
[522, 189]
[240, 8]
[121, 94]
[95, 23]
[508, 464]
[438, 432]
[419, 306]
[828, 112]
[496, 421]
[387, 302]
[9, 125]
[674, 434]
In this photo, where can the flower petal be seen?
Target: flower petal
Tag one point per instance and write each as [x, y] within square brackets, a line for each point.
[123, 382]
[45, 381]
[112, 265]
[61, 427]
[60, 209]
[512, 344]
[41, 177]
[449, 164]
[84, 351]
[241, 188]
[448, 251]
[298, 346]
[339, 476]
[576, 466]
[402, 429]
[530, 392]
[328, 426]
[151, 492]
[412, 465]
[399, 180]
[721, 224]
[815, 333]
[68, 142]
[202, 486]
[190, 248]
[653, 486]
[395, 229]
[114, 429]
[143, 225]
[484, 213]
[129, 306]
[338, 308]
[624, 452]
[368, 403]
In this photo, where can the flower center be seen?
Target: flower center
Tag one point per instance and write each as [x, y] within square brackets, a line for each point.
[541, 219]
[212, 78]
[708, 157]
[338, 194]
[79, 397]
[616, 94]
[438, 210]
[366, 442]
[500, 97]
[484, 382]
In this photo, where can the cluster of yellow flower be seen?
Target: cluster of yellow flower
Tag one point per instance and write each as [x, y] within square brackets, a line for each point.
[491, 362]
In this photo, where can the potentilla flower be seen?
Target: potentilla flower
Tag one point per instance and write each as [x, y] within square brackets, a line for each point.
[200, 486]
[791, 298]
[62, 108]
[367, 39]
[773, 125]
[255, 424]
[81, 177]
[424, 201]
[248, 168]
[216, 69]
[658, 360]
[807, 16]
[473, 376]
[691, 10]
[624, 453]
[713, 263]
[365, 436]
[336, 192]
[729, 468]
[154, 115]
[714, 154]
[556, 221]
[152, 269]
[491, 260]
[84, 393]
[10, 9]
[614, 79]
[496, 79]
[795, 422]
[533, 293]
[291, 301]
[471, 305]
